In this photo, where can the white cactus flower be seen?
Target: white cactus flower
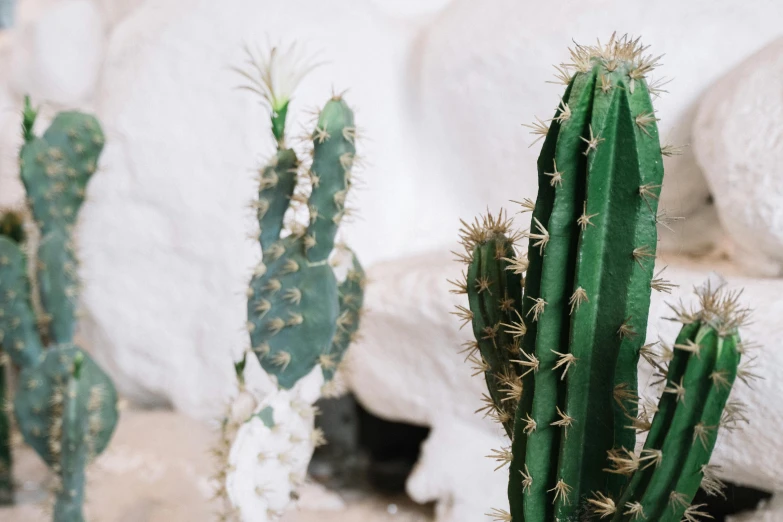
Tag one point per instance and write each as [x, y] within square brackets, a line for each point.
[275, 74]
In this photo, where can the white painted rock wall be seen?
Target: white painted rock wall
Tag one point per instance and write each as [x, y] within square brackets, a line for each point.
[738, 140]
[440, 90]
[481, 69]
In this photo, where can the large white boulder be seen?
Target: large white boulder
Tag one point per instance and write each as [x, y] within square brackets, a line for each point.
[479, 71]
[738, 140]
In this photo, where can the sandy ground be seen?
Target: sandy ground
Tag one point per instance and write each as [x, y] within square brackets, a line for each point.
[157, 469]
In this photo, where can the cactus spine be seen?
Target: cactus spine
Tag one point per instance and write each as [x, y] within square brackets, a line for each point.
[65, 405]
[560, 346]
[300, 319]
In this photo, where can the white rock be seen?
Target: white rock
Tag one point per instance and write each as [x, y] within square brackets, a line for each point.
[480, 68]
[407, 367]
[269, 456]
[738, 140]
[57, 52]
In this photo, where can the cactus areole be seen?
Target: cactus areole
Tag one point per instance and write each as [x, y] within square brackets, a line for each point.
[559, 332]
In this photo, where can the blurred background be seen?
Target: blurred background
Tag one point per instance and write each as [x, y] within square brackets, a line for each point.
[441, 89]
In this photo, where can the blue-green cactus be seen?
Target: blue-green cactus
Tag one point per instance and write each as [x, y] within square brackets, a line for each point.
[297, 316]
[65, 405]
[56, 167]
[66, 408]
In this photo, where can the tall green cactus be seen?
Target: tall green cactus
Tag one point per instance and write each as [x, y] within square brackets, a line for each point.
[65, 405]
[296, 312]
[560, 347]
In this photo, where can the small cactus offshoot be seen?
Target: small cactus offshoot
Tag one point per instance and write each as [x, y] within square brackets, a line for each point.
[559, 331]
[300, 318]
[65, 405]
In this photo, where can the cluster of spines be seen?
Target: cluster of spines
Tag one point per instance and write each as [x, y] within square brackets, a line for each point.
[582, 224]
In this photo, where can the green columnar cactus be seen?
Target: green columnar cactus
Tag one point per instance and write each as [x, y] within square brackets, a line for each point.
[65, 406]
[560, 348]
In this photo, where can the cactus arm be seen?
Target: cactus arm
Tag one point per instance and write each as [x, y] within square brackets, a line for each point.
[662, 421]
[556, 290]
[680, 446]
[56, 167]
[680, 437]
[493, 293]
[615, 289]
[57, 285]
[333, 159]
[278, 180]
[18, 330]
[692, 474]
[6, 458]
[351, 298]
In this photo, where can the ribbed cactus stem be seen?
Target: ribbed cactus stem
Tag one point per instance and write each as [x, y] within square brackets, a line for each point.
[73, 455]
[700, 376]
[333, 157]
[278, 180]
[56, 167]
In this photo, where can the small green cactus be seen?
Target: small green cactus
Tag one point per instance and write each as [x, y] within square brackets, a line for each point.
[300, 317]
[65, 405]
[559, 333]
[294, 305]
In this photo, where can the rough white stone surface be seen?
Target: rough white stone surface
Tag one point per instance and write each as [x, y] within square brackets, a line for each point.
[57, 51]
[480, 68]
[738, 140]
[407, 367]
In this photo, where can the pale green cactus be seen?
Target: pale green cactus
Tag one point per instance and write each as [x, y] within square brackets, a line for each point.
[65, 405]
